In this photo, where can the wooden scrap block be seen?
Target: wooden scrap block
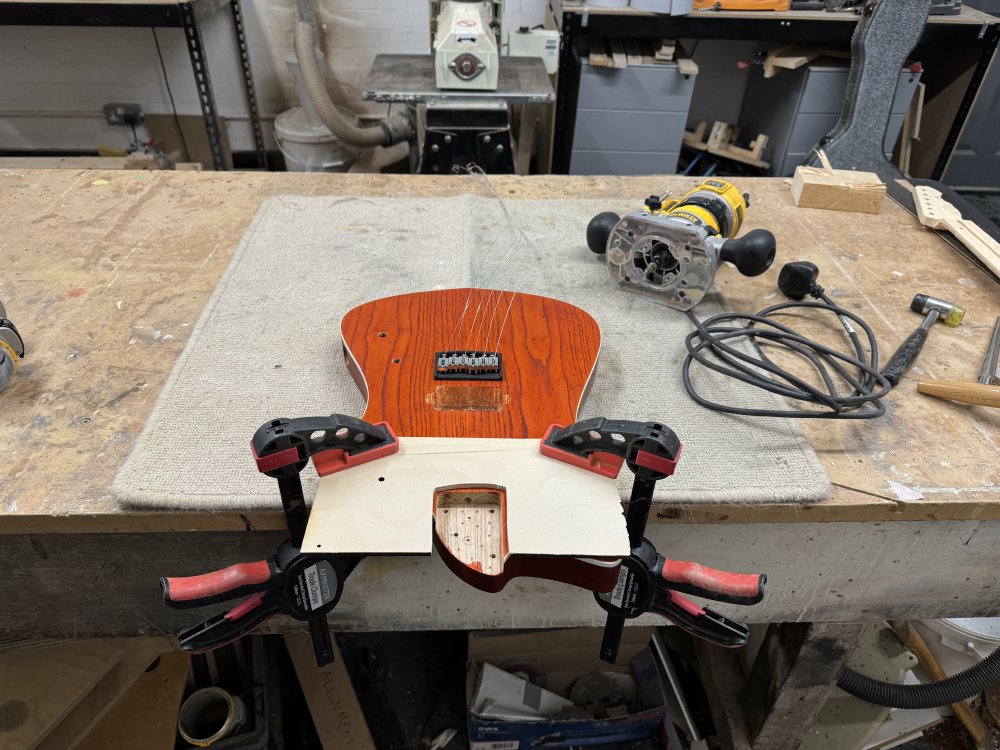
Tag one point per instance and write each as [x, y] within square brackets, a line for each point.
[687, 67]
[618, 57]
[789, 57]
[722, 134]
[696, 138]
[665, 52]
[837, 189]
[599, 57]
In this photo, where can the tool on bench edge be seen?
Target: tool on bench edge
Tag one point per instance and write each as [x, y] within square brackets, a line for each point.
[934, 309]
[647, 581]
[305, 587]
[988, 372]
[986, 392]
[11, 348]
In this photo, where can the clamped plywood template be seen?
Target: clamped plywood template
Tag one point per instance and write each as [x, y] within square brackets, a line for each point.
[523, 496]
[388, 506]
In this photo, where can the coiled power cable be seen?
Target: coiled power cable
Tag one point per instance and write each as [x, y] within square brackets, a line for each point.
[852, 387]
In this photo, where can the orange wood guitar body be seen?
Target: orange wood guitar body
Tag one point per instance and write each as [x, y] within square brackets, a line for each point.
[549, 349]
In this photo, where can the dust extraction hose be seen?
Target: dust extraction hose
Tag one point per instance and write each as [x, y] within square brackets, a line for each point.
[386, 132]
[967, 683]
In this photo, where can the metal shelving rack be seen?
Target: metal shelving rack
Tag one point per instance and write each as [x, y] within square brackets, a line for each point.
[183, 14]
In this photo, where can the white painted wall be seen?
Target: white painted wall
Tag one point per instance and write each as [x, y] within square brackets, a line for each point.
[54, 80]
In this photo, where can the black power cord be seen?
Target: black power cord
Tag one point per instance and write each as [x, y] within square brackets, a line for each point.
[710, 345]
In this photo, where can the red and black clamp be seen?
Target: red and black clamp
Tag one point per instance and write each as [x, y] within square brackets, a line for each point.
[305, 587]
[647, 581]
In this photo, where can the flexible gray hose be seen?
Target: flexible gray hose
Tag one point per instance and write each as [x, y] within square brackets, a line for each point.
[387, 132]
[966, 684]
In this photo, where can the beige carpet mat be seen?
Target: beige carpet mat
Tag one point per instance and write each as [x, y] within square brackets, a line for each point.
[268, 345]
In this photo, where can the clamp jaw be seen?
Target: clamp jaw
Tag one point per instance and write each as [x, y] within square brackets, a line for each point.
[305, 587]
[648, 581]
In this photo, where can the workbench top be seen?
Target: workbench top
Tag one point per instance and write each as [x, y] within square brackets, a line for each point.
[105, 273]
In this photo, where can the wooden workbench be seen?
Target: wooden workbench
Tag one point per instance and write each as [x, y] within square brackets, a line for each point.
[105, 273]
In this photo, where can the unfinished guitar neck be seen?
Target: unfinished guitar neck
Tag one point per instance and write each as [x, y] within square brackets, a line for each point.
[937, 213]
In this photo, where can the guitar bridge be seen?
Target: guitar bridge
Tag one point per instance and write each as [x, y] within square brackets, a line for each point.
[468, 365]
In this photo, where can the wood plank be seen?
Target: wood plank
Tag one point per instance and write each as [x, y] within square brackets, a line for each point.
[632, 52]
[43, 686]
[665, 51]
[618, 57]
[333, 704]
[599, 55]
[860, 563]
[139, 653]
[789, 57]
[687, 67]
[147, 713]
[722, 677]
[910, 637]
[790, 680]
[62, 162]
[151, 247]
[386, 506]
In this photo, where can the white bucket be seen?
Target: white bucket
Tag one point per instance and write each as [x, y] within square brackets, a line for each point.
[308, 148]
[303, 139]
[959, 643]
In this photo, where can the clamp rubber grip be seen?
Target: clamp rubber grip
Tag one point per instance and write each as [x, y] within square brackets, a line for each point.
[228, 583]
[718, 585]
[226, 627]
[705, 623]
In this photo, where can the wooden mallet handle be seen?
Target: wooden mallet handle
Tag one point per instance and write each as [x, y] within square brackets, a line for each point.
[958, 390]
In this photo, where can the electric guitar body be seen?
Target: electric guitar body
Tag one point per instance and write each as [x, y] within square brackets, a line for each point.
[474, 363]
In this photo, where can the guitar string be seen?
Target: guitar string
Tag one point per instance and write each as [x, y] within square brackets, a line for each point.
[519, 234]
[489, 299]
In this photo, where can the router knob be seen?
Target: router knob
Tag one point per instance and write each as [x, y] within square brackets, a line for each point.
[752, 254]
[599, 229]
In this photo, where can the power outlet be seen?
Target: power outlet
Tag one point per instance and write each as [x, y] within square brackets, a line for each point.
[118, 113]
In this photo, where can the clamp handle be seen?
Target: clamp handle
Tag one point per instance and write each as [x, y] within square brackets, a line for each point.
[718, 585]
[241, 579]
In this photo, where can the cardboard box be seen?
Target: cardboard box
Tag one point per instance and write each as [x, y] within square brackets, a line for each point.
[563, 656]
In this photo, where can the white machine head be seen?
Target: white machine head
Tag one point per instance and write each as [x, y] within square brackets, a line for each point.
[465, 39]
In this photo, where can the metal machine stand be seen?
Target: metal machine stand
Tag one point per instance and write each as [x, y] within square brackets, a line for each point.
[458, 126]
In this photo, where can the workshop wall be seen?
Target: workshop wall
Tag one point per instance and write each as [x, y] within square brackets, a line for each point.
[54, 80]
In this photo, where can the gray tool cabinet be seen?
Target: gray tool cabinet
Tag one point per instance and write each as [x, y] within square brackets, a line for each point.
[798, 107]
[630, 121]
